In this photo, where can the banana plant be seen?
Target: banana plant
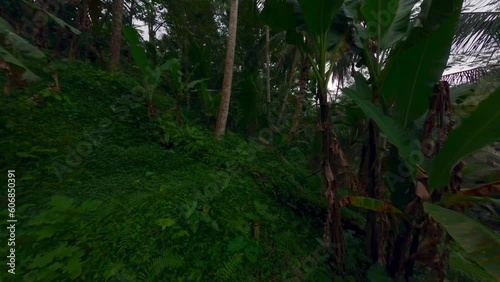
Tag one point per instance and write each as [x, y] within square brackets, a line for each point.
[153, 74]
[404, 57]
[19, 44]
[322, 22]
[404, 68]
[14, 49]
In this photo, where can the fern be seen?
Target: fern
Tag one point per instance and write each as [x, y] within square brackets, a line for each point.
[169, 260]
[156, 271]
[229, 269]
[124, 243]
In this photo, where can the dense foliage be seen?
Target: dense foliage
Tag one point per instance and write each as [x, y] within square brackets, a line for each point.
[149, 160]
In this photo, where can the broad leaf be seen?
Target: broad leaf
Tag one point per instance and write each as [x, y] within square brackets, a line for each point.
[415, 65]
[479, 129]
[319, 14]
[456, 199]
[18, 42]
[279, 15]
[54, 18]
[5, 26]
[482, 244]
[370, 204]
[283, 16]
[138, 52]
[395, 134]
[379, 15]
[399, 25]
[28, 75]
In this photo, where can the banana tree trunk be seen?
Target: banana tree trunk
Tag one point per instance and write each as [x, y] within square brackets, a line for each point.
[333, 236]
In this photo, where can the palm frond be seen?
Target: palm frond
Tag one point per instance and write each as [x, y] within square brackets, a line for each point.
[470, 76]
[476, 32]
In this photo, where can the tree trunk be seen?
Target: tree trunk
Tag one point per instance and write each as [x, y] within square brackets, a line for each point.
[289, 88]
[268, 78]
[116, 36]
[220, 127]
[151, 15]
[369, 179]
[40, 36]
[304, 77]
[83, 26]
[333, 236]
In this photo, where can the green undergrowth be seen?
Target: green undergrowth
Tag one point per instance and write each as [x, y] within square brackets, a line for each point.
[101, 198]
[105, 194]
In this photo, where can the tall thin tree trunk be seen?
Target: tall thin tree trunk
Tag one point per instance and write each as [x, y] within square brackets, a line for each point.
[220, 127]
[116, 36]
[83, 26]
[289, 88]
[268, 78]
[304, 77]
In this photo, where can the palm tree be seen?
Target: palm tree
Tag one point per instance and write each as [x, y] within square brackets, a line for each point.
[220, 127]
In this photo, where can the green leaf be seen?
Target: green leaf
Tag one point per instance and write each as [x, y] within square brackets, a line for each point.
[399, 26]
[236, 244]
[41, 261]
[194, 83]
[19, 43]
[61, 202]
[138, 52]
[387, 20]
[279, 15]
[9, 58]
[54, 18]
[371, 204]
[395, 134]
[416, 65]
[318, 14]
[73, 267]
[90, 205]
[45, 232]
[454, 199]
[190, 209]
[482, 244]
[165, 222]
[283, 16]
[379, 15]
[480, 128]
[5, 27]
[63, 250]
[113, 269]
[378, 273]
